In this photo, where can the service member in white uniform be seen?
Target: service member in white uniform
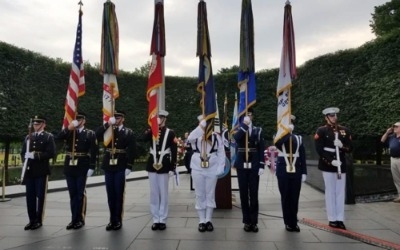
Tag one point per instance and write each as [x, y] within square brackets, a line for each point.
[208, 161]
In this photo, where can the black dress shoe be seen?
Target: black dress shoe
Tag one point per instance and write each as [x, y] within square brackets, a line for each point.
[248, 227]
[28, 226]
[117, 226]
[36, 225]
[155, 226]
[340, 225]
[202, 227]
[289, 229]
[79, 224]
[297, 228]
[109, 226]
[209, 226]
[333, 224]
[255, 228]
[162, 226]
[70, 226]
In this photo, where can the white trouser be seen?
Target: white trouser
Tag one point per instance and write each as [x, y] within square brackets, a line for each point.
[159, 196]
[334, 195]
[204, 183]
[395, 168]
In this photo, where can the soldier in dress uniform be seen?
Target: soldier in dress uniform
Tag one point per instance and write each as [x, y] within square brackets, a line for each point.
[331, 140]
[208, 161]
[290, 179]
[80, 161]
[160, 165]
[249, 166]
[41, 149]
[118, 159]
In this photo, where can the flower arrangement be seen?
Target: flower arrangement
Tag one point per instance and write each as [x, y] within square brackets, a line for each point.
[180, 151]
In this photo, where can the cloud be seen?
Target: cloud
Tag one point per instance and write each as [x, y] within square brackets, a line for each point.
[48, 27]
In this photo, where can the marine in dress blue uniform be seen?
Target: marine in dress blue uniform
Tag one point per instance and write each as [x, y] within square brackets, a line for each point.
[41, 149]
[118, 160]
[289, 182]
[160, 165]
[326, 145]
[80, 161]
[249, 169]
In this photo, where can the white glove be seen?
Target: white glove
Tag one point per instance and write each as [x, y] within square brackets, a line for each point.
[336, 163]
[112, 120]
[90, 172]
[127, 171]
[75, 123]
[338, 143]
[260, 171]
[291, 127]
[303, 177]
[29, 155]
[203, 123]
[246, 120]
[171, 173]
[220, 170]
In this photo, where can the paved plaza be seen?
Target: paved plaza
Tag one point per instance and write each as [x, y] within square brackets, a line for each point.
[380, 220]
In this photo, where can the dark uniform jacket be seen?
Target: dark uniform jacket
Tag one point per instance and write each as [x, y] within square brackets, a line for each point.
[297, 150]
[124, 145]
[169, 160]
[44, 149]
[255, 148]
[85, 151]
[325, 148]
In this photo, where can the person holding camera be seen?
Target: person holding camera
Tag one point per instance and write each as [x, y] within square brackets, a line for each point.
[391, 139]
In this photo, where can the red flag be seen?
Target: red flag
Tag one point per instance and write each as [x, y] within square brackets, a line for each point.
[156, 74]
[155, 82]
[76, 86]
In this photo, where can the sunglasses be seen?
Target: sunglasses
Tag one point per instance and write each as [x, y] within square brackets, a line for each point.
[331, 115]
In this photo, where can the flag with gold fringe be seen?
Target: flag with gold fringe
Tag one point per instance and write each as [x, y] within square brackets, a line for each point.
[206, 80]
[287, 72]
[76, 86]
[109, 64]
[156, 74]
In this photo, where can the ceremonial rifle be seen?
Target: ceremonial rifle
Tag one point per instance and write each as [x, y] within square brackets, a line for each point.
[27, 150]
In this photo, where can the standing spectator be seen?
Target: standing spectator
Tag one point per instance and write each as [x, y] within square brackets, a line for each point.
[249, 165]
[118, 159]
[391, 139]
[326, 146]
[160, 165]
[41, 149]
[289, 182]
[80, 162]
[188, 153]
[208, 161]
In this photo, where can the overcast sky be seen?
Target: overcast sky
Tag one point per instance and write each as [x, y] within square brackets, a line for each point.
[321, 26]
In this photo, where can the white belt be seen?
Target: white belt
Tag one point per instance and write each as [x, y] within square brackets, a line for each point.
[332, 150]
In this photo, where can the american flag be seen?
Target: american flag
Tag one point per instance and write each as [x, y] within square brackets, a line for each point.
[76, 86]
